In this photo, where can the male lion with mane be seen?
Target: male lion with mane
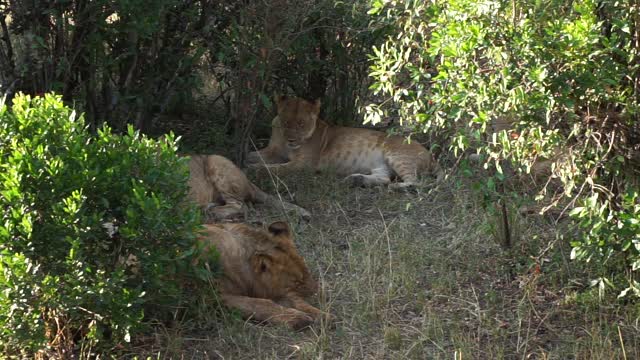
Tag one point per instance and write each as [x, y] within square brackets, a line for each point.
[264, 277]
[299, 138]
[221, 189]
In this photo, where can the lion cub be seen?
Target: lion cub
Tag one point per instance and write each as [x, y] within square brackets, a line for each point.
[299, 138]
[222, 189]
[264, 277]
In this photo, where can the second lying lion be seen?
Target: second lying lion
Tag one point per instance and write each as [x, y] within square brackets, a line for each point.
[263, 277]
[300, 138]
[221, 189]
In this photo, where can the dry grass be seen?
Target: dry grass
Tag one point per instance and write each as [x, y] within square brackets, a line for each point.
[419, 276]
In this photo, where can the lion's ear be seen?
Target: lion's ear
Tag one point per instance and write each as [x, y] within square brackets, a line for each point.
[279, 228]
[279, 99]
[316, 105]
[261, 263]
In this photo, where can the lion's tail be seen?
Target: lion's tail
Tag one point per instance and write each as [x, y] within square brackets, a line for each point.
[277, 202]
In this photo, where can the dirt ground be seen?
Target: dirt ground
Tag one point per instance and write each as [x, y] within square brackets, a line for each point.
[420, 275]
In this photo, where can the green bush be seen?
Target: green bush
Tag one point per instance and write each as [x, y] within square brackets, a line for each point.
[611, 237]
[95, 234]
[562, 77]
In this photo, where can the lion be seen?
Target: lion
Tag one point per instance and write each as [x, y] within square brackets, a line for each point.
[366, 157]
[221, 189]
[264, 276]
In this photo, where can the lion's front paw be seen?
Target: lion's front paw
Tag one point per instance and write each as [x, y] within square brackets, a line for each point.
[304, 214]
[403, 186]
[214, 213]
[300, 321]
[356, 180]
[252, 158]
[326, 319]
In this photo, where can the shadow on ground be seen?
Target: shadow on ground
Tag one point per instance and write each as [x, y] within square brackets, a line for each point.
[419, 276]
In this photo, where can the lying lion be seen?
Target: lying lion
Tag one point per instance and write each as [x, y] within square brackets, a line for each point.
[299, 138]
[221, 189]
[264, 277]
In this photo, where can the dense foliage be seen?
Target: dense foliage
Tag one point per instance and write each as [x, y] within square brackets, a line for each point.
[131, 62]
[521, 82]
[120, 61]
[94, 234]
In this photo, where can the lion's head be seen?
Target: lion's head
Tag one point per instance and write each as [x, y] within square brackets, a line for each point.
[278, 268]
[298, 118]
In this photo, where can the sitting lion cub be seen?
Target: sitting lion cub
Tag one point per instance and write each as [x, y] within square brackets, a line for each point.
[264, 277]
[300, 138]
[222, 189]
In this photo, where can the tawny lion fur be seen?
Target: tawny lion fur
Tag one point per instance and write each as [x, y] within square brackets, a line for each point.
[300, 138]
[264, 276]
[221, 189]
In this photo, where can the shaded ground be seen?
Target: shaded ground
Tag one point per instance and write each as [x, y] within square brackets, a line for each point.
[420, 276]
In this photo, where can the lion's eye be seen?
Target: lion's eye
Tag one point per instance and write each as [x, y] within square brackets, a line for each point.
[292, 144]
